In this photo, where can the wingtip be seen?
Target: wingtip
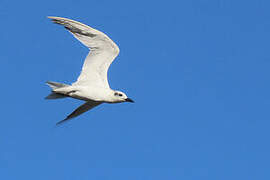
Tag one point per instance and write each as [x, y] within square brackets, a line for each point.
[64, 120]
[56, 18]
[61, 122]
[52, 17]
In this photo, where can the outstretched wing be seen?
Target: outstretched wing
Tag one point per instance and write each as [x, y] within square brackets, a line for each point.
[83, 108]
[102, 52]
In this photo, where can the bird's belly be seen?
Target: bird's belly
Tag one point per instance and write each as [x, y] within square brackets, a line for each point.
[80, 97]
[87, 95]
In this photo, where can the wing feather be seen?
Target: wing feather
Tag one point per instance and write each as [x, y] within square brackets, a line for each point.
[102, 52]
[82, 109]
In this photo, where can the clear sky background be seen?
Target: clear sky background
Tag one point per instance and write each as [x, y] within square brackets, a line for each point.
[197, 69]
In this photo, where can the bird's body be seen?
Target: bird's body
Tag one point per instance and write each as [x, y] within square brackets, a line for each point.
[87, 93]
[92, 85]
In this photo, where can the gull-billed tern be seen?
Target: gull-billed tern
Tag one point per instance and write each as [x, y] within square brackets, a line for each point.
[92, 85]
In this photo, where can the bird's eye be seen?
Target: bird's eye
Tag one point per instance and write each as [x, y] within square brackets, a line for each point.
[118, 94]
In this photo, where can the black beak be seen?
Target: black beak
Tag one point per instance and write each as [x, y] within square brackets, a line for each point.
[129, 100]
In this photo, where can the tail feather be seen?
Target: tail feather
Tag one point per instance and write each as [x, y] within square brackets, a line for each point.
[54, 86]
[55, 96]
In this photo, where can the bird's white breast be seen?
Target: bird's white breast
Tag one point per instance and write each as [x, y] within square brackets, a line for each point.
[92, 93]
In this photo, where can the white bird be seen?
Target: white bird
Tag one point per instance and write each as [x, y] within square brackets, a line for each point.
[92, 85]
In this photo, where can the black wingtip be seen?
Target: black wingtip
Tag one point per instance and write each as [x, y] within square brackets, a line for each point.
[61, 122]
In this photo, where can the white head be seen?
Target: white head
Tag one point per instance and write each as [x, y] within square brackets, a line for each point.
[118, 96]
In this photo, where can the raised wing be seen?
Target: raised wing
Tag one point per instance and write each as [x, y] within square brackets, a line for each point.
[83, 108]
[102, 52]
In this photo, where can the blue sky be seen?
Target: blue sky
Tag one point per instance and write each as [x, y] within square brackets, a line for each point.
[197, 69]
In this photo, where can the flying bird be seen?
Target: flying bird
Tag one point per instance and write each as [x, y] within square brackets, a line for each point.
[92, 84]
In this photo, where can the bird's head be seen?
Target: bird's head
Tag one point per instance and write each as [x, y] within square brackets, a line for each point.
[119, 96]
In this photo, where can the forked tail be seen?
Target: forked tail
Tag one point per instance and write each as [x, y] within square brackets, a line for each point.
[55, 85]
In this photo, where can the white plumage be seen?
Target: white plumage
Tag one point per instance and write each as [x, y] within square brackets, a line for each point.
[92, 85]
